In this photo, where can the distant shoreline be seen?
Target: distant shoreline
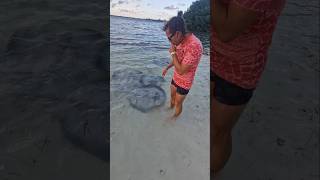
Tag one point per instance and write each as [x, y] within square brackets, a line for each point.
[155, 20]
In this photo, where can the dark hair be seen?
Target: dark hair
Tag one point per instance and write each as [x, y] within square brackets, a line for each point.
[175, 24]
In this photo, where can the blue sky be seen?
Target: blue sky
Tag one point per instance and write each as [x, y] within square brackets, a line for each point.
[153, 9]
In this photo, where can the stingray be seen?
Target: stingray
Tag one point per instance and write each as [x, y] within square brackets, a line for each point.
[126, 80]
[145, 92]
[149, 80]
[147, 98]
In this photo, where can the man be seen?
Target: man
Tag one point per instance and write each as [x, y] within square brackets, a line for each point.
[241, 34]
[186, 50]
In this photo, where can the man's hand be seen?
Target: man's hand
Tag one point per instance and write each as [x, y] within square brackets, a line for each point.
[172, 48]
[164, 71]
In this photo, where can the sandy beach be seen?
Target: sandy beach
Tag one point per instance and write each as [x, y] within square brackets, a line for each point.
[149, 146]
[52, 56]
[277, 137]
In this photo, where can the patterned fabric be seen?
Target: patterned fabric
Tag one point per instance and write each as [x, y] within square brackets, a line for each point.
[189, 52]
[242, 60]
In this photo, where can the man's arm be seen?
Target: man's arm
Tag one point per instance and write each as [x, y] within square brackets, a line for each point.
[170, 65]
[230, 20]
[180, 68]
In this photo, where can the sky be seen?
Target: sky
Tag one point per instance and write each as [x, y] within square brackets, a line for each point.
[152, 9]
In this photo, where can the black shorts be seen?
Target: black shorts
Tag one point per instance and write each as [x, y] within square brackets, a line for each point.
[180, 90]
[228, 93]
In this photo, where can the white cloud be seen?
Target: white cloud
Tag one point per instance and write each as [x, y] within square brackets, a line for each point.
[171, 7]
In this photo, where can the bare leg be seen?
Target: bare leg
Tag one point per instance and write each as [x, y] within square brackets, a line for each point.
[173, 96]
[178, 104]
[222, 120]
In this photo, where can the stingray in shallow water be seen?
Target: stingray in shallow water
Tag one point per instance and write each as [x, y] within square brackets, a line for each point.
[126, 80]
[145, 92]
[149, 80]
[147, 98]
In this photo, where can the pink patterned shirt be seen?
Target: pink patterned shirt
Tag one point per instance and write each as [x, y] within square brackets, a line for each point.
[189, 52]
[242, 60]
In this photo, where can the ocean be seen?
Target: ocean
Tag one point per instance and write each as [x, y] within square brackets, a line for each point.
[139, 43]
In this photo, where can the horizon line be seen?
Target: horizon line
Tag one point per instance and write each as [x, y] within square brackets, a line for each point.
[139, 18]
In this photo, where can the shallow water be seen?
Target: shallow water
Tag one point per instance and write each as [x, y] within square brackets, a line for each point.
[139, 45]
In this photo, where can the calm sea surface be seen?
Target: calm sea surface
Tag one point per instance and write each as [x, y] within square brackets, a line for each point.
[140, 44]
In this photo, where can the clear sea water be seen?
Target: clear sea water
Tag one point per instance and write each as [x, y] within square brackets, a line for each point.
[141, 44]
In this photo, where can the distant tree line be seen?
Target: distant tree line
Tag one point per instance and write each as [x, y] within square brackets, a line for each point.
[197, 17]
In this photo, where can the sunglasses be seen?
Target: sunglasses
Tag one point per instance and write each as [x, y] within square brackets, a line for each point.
[169, 38]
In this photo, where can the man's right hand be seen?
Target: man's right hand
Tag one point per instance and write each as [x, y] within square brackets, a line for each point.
[172, 48]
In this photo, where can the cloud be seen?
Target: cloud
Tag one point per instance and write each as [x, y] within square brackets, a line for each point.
[137, 5]
[128, 11]
[122, 2]
[181, 4]
[172, 7]
[148, 4]
[119, 3]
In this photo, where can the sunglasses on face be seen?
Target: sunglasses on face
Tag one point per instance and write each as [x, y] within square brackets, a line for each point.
[170, 37]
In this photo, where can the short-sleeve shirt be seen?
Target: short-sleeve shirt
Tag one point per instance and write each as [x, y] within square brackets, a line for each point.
[242, 60]
[188, 52]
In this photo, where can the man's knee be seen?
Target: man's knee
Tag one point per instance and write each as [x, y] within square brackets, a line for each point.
[177, 103]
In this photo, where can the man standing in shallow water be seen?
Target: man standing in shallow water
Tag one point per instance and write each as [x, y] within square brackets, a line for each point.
[186, 50]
